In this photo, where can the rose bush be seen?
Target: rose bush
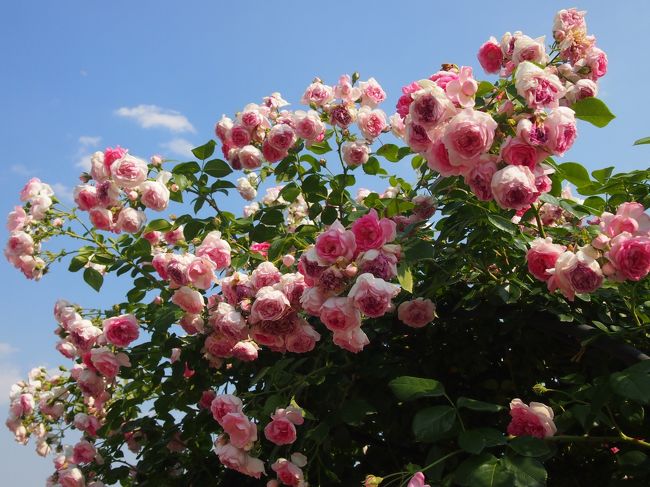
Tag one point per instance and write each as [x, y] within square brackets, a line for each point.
[325, 337]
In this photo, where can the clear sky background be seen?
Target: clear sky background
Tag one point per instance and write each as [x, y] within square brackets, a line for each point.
[154, 76]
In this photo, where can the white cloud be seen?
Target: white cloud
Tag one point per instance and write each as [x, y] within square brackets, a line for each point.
[20, 169]
[62, 192]
[178, 146]
[149, 116]
[6, 349]
[83, 162]
[9, 375]
[89, 140]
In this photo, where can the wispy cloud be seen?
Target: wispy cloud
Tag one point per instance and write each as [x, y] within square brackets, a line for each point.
[179, 147]
[6, 349]
[86, 144]
[62, 192]
[89, 140]
[149, 116]
[21, 170]
[9, 374]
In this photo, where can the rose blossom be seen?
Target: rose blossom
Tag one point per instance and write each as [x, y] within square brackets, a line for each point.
[418, 481]
[371, 233]
[281, 137]
[514, 187]
[542, 256]
[417, 312]
[583, 88]
[372, 295]
[83, 452]
[317, 93]
[265, 274]
[71, 477]
[250, 157]
[200, 272]
[241, 431]
[308, 125]
[339, 314]
[216, 249]
[353, 340]
[129, 171]
[630, 255]
[562, 130]
[101, 218]
[224, 404]
[85, 196]
[517, 152]
[280, 431]
[130, 220]
[479, 179]
[270, 304]
[334, 243]
[245, 189]
[468, 135]
[246, 351]
[462, 89]
[597, 62]
[303, 339]
[19, 243]
[490, 56]
[288, 473]
[534, 420]
[576, 273]
[312, 300]
[371, 122]
[355, 152]
[189, 300]
[155, 194]
[527, 49]
[121, 330]
[417, 137]
[107, 363]
[430, 105]
[17, 219]
[228, 320]
[238, 459]
[539, 88]
[33, 188]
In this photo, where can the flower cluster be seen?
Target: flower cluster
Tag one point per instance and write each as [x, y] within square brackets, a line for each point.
[116, 174]
[620, 252]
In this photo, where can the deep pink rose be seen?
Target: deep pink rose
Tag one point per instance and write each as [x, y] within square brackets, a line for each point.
[303, 339]
[189, 300]
[542, 256]
[479, 179]
[517, 152]
[241, 430]
[468, 135]
[280, 431]
[539, 88]
[630, 255]
[121, 330]
[514, 187]
[288, 473]
[216, 249]
[561, 129]
[269, 305]
[224, 404]
[353, 340]
[101, 218]
[534, 420]
[490, 56]
[370, 232]
[336, 242]
[83, 452]
[85, 196]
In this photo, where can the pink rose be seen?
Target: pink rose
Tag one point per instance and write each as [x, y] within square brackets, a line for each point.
[438, 158]
[417, 312]
[468, 135]
[155, 194]
[490, 56]
[562, 130]
[107, 363]
[355, 153]
[206, 399]
[583, 88]
[542, 256]
[517, 152]
[35, 187]
[113, 154]
[380, 263]
[339, 314]
[479, 179]
[216, 249]
[250, 157]
[318, 94]
[293, 286]
[353, 340]
[108, 194]
[280, 431]
[312, 299]
[539, 88]
[16, 219]
[130, 220]
[534, 420]
[527, 49]
[514, 187]
[630, 255]
[237, 459]
[192, 323]
[372, 296]
[462, 89]
[241, 431]
[101, 218]
[418, 480]
[71, 477]
[200, 272]
[121, 330]
[265, 274]
[372, 93]
[597, 62]
[371, 233]
[303, 339]
[227, 320]
[345, 90]
[246, 351]
[19, 243]
[240, 136]
[224, 404]
[576, 273]
[308, 125]
[83, 452]
[430, 106]
[85, 196]
[189, 300]
[336, 242]
[371, 122]
[281, 137]
[417, 137]
[237, 287]
[129, 171]
[567, 21]
[269, 305]
[271, 154]
[288, 473]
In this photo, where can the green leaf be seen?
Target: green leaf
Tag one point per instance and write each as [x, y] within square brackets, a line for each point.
[602, 175]
[320, 147]
[644, 140]
[575, 173]
[77, 263]
[329, 215]
[474, 441]
[390, 152]
[161, 225]
[204, 151]
[529, 446]
[631, 383]
[186, 168]
[405, 278]
[594, 111]
[432, 423]
[528, 472]
[354, 411]
[503, 224]
[217, 168]
[484, 87]
[475, 405]
[290, 192]
[407, 388]
[272, 217]
[93, 278]
[371, 166]
[262, 233]
[484, 470]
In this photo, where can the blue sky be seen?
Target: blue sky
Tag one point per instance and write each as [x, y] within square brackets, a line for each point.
[154, 76]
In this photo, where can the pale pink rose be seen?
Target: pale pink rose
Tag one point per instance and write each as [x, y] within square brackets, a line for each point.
[200, 272]
[567, 21]
[371, 122]
[312, 300]
[98, 170]
[380, 263]
[462, 89]
[245, 189]
[582, 88]
[339, 314]
[576, 273]
[317, 93]
[303, 339]
[345, 91]
[130, 220]
[517, 152]
[68, 350]
[543, 182]
[108, 194]
[192, 323]
[479, 179]
[241, 431]
[87, 424]
[224, 404]
[101, 218]
[251, 116]
[237, 459]
[597, 62]
[437, 157]
[562, 130]
[240, 135]
[34, 187]
[222, 128]
[216, 249]
[19, 243]
[288, 260]
[188, 300]
[418, 481]
[308, 125]
[288, 473]
[121, 330]
[246, 351]
[17, 219]
[226, 319]
[514, 187]
[534, 420]
[397, 126]
[291, 413]
[527, 49]
[539, 88]
[336, 242]
[155, 194]
[83, 452]
[83, 334]
[271, 154]
[269, 305]
[417, 137]
[430, 106]
[219, 346]
[250, 157]
[542, 256]
[85, 196]
[630, 255]
[355, 153]
[362, 194]
[353, 340]
[372, 295]
[490, 56]
[634, 211]
[468, 135]
[107, 363]
[282, 137]
[280, 431]
[372, 93]
[128, 171]
[416, 313]
[40, 205]
[237, 287]
[370, 232]
[265, 274]
[71, 477]
[293, 286]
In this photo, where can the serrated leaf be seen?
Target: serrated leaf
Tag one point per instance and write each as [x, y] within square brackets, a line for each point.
[186, 168]
[407, 388]
[575, 173]
[503, 224]
[77, 263]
